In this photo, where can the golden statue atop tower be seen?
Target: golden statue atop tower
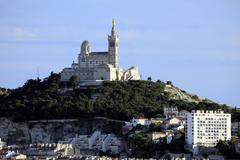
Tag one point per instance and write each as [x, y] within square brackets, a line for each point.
[113, 26]
[113, 23]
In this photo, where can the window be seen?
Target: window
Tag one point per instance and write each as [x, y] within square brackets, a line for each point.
[90, 62]
[83, 59]
[112, 44]
[96, 62]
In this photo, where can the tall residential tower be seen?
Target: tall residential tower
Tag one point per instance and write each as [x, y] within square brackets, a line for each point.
[206, 128]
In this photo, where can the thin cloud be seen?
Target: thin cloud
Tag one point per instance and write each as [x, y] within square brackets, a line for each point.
[21, 34]
[17, 33]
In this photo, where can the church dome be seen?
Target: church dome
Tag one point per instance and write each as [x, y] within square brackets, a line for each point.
[85, 43]
[85, 47]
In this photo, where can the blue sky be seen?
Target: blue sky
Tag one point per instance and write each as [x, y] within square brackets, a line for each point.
[195, 44]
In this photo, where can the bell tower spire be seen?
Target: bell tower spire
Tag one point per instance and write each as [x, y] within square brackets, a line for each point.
[113, 27]
[113, 41]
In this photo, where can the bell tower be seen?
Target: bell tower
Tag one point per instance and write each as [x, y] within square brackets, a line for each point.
[113, 42]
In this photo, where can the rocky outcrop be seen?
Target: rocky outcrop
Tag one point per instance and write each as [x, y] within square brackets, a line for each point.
[51, 131]
[12, 132]
[176, 93]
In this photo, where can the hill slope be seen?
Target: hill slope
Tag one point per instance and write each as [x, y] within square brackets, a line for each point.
[114, 99]
[176, 93]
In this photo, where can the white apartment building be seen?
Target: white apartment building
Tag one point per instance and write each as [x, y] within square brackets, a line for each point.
[140, 121]
[183, 114]
[101, 142]
[98, 141]
[206, 128]
[86, 141]
[114, 144]
[170, 112]
[105, 142]
[2, 144]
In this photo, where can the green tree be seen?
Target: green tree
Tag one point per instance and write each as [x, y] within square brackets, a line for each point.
[149, 78]
[227, 148]
[73, 82]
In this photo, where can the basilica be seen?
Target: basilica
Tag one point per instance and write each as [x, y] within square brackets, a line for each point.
[93, 66]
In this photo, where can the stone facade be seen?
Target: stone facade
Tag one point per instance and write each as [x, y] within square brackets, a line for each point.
[100, 65]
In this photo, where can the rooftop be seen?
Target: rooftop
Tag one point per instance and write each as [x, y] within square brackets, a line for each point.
[208, 111]
[99, 53]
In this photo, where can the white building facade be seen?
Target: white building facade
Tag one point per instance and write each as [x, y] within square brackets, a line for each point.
[183, 114]
[140, 121]
[94, 66]
[170, 112]
[206, 128]
[96, 141]
[2, 144]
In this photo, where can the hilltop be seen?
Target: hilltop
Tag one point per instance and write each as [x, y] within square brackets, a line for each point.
[176, 93]
[49, 99]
